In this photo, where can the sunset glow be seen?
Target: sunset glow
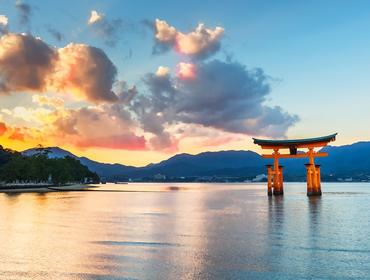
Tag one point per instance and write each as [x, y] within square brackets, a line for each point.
[107, 84]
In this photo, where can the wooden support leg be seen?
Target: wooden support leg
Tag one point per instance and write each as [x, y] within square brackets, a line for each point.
[278, 189]
[318, 180]
[281, 179]
[269, 179]
[309, 179]
[313, 180]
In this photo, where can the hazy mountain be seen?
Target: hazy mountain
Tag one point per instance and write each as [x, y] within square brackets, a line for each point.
[222, 163]
[348, 160]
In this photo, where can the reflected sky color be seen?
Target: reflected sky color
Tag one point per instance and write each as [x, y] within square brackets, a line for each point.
[197, 232]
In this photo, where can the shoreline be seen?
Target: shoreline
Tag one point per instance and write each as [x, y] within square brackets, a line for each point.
[43, 189]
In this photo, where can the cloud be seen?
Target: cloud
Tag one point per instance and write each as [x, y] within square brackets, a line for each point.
[30, 65]
[24, 11]
[108, 30]
[29, 115]
[17, 135]
[3, 24]
[25, 62]
[116, 142]
[3, 128]
[94, 17]
[162, 71]
[125, 94]
[150, 110]
[43, 100]
[186, 71]
[165, 33]
[104, 127]
[57, 35]
[3, 20]
[200, 43]
[85, 71]
[165, 142]
[223, 95]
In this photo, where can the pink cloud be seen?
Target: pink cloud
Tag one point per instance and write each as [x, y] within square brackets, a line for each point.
[104, 127]
[117, 142]
[186, 71]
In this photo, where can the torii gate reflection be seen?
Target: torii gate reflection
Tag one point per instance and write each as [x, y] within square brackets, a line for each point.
[275, 171]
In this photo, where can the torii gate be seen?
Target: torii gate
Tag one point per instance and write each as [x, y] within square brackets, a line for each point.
[275, 171]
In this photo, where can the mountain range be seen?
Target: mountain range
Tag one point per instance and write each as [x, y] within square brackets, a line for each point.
[348, 161]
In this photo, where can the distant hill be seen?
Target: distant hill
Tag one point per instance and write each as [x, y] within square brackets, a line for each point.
[343, 161]
[347, 159]
[53, 152]
[224, 163]
[105, 170]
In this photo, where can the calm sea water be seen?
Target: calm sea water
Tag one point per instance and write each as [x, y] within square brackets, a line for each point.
[187, 231]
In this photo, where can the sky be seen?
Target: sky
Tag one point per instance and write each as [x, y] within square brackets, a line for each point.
[135, 82]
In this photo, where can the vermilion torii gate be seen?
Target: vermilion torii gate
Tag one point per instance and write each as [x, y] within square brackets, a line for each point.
[275, 171]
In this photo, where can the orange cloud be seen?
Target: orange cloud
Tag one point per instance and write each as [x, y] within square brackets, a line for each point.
[54, 102]
[85, 71]
[30, 65]
[3, 128]
[17, 134]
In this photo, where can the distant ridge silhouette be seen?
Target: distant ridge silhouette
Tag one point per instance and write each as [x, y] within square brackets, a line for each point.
[243, 164]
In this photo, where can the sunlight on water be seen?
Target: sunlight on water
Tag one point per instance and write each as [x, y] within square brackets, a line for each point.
[186, 231]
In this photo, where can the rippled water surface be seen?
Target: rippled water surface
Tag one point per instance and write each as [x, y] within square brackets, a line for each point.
[186, 231]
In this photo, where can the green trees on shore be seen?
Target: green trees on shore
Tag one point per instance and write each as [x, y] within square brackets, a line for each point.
[39, 168]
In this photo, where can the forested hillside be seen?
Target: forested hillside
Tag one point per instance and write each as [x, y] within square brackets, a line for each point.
[15, 167]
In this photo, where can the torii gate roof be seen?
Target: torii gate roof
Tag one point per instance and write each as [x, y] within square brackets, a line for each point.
[291, 143]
